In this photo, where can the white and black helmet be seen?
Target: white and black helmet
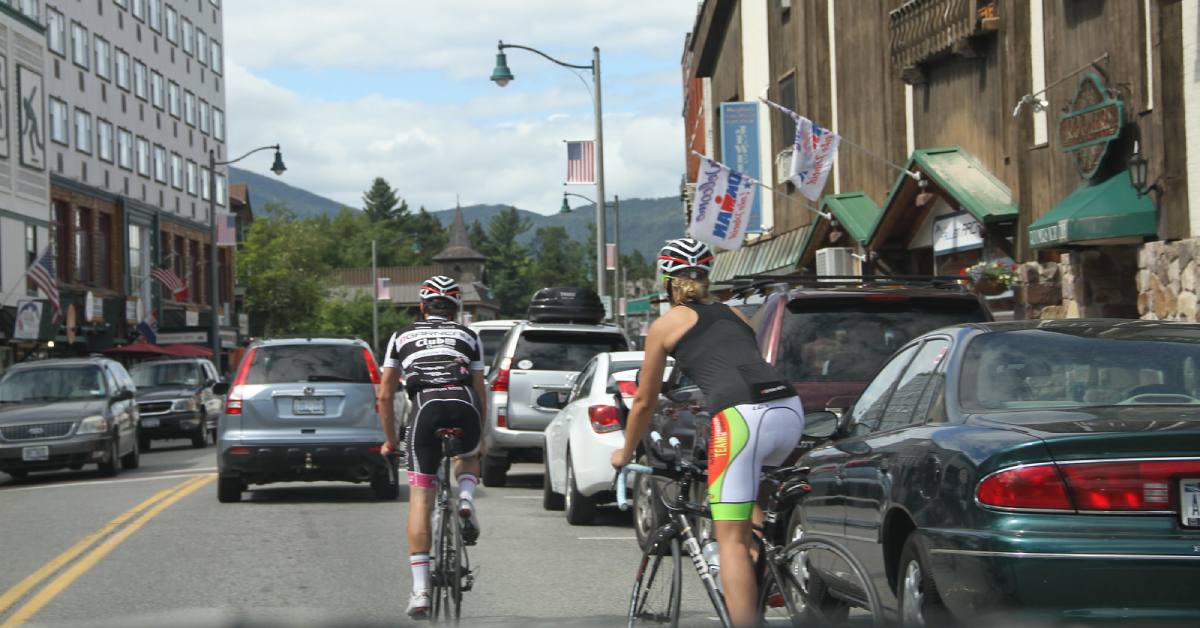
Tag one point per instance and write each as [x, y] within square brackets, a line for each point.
[684, 254]
[441, 287]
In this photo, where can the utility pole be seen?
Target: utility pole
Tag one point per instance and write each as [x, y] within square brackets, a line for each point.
[374, 304]
[618, 287]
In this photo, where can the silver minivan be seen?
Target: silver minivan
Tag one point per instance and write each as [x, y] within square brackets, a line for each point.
[302, 410]
[532, 373]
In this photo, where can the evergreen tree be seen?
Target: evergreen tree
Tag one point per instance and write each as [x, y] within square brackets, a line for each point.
[557, 259]
[508, 262]
[380, 201]
[283, 270]
[478, 236]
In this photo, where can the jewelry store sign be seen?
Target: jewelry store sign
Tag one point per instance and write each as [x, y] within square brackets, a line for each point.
[1092, 122]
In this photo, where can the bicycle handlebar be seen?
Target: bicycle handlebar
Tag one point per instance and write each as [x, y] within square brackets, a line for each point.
[622, 478]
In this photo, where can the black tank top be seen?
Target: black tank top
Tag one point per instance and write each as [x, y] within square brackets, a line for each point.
[720, 354]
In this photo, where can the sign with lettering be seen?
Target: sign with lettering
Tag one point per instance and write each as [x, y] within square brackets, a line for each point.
[1093, 120]
[956, 232]
[739, 149]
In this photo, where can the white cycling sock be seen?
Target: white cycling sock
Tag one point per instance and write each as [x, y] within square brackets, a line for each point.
[466, 486]
[420, 571]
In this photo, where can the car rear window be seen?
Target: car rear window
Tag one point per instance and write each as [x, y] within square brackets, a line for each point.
[167, 374]
[308, 363]
[562, 351]
[848, 340]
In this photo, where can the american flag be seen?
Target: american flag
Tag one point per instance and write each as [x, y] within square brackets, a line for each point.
[226, 229]
[581, 162]
[43, 275]
[172, 282]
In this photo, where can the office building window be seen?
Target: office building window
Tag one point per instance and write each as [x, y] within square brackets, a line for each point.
[123, 69]
[79, 45]
[221, 190]
[218, 63]
[218, 124]
[201, 47]
[139, 9]
[189, 108]
[139, 80]
[103, 57]
[204, 183]
[172, 25]
[143, 157]
[56, 32]
[204, 116]
[154, 11]
[104, 140]
[137, 258]
[191, 177]
[176, 171]
[59, 129]
[173, 98]
[83, 131]
[156, 89]
[125, 149]
[160, 164]
[188, 35]
[29, 8]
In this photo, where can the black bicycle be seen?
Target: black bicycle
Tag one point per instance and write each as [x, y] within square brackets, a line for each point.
[781, 567]
[450, 567]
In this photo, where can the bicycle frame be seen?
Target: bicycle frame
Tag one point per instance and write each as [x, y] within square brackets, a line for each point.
[447, 544]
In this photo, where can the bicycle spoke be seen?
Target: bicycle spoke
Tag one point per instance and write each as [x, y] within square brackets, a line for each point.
[656, 591]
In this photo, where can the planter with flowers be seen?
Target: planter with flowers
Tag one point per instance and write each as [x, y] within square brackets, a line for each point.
[991, 278]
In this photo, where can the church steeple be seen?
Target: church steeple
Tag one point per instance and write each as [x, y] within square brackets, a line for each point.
[459, 249]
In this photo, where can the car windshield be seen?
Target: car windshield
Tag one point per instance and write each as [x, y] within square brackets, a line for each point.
[308, 363]
[562, 350]
[52, 384]
[167, 374]
[848, 340]
[1042, 369]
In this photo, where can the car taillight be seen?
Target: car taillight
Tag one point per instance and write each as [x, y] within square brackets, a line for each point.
[500, 384]
[501, 418]
[239, 451]
[629, 389]
[372, 369]
[1126, 485]
[1035, 487]
[233, 400]
[604, 419]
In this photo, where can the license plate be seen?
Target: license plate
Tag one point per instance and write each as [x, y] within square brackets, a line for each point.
[34, 454]
[1189, 502]
[308, 406]
[149, 422]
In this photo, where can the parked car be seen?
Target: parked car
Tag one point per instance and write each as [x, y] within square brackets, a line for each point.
[175, 400]
[1037, 467]
[581, 438]
[491, 334]
[535, 362]
[302, 410]
[67, 413]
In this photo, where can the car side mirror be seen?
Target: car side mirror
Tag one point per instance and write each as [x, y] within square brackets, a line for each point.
[821, 424]
[220, 388]
[123, 394]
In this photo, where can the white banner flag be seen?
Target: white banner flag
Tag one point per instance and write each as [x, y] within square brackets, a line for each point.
[812, 157]
[722, 209]
[383, 288]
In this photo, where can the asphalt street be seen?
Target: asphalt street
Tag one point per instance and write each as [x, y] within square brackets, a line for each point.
[153, 547]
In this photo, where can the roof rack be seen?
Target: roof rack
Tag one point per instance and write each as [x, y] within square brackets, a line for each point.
[945, 282]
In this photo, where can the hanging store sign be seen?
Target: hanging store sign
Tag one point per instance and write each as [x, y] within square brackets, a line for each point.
[1090, 125]
[956, 232]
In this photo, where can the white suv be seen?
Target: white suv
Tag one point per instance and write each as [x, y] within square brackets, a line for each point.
[532, 374]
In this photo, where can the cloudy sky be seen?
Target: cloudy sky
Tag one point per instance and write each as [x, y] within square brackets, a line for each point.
[355, 89]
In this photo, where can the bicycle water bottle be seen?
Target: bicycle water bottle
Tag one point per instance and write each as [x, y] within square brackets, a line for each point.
[712, 556]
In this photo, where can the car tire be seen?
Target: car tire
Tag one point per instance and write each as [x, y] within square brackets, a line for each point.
[832, 610]
[200, 436]
[133, 459]
[229, 490]
[550, 499]
[144, 442]
[581, 509]
[648, 510]
[112, 465]
[920, 604]
[384, 489]
[495, 473]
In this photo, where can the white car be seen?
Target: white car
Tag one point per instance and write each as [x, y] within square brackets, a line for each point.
[581, 438]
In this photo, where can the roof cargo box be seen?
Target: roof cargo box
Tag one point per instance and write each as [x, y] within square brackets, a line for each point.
[566, 305]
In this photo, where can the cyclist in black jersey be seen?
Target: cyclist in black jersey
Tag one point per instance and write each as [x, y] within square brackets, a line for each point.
[439, 363]
[759, 419]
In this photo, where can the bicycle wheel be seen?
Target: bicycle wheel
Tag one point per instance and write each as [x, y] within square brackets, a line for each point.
[798, 597]
[454, 567]
[656, 589]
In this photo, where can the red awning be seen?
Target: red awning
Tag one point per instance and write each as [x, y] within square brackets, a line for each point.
[140, 347]
[189, 351]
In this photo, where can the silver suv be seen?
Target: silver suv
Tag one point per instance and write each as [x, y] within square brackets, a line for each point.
[302, 410]
[531, 374]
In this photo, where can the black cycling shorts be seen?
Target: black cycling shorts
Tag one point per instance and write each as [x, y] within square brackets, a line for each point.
[434, 409]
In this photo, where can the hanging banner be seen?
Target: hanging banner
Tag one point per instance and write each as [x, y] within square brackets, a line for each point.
[383, 288]
[812, 157]
[29, 320]
[610, 256]
[723, 201]
[739, 149]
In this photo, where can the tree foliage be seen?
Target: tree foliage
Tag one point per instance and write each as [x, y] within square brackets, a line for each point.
[340, 316]
[381, 203]
[508, 262]
[283, 271]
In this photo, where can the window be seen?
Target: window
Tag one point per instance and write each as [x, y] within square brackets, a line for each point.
[104, 57]
[31, 255]
[58, 122]
[160, 164]
[218, 124]
[104, 138]
[205, 113]
[869, 407]
[103, 245]
[123, 69]
[79, 45]
[124, 4]
[156, 89]
[173, 98]
[143, 157]
[125, 149]
[29, 8]
[172, 25]
[204, 191]
[176, 171]
[83, 131]
[139, 9]
[83, 245]
[218, 62]
[201, 47]
[56, 32]
[189, 108]
[188, 36]
[154, 10]
[787, 98]
[222, 189]
[140, 88]
[137, 260]
[905, 406]
[191, 177]
[62, 239]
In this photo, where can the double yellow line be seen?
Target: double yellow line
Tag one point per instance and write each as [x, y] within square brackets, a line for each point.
[107, 543]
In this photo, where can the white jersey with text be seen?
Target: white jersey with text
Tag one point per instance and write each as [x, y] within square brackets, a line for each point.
[434, 352]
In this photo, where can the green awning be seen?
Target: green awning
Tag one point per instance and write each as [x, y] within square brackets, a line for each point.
[856, 212]
[779, 254]
[962, 176]
[1102, 211]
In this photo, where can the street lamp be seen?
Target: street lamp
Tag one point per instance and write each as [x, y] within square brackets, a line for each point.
[502, 76]
[214, 282]
[619, 286]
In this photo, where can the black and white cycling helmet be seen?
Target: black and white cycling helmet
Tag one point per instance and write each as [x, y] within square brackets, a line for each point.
[685, 254]
[441, 287]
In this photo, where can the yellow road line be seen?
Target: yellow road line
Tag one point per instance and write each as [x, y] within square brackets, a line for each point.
[21, 588]
[64, 580]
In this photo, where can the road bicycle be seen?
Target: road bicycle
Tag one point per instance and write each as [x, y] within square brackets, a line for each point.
[782, 565]
[450, 567]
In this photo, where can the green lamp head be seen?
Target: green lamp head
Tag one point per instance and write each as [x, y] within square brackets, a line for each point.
[566, 207]
[501, 75]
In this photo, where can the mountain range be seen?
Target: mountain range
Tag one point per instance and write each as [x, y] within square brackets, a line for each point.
[645, 222]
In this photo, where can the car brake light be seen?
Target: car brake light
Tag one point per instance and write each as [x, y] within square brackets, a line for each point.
[1126, 485]
[372, 369]
[500, 384]
[233, 400]
[604, 419]
[501, 419]
[239, 451]
[1034, 487]
[628, 389]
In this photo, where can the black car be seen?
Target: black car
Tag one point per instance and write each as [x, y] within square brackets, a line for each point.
[176, 400]
[67, 413]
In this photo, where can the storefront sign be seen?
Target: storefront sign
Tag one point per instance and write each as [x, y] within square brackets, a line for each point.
[29, 320]
[1090, 125]
[739, 149]
[956, 232]
[191, 318]
[183, 337]
[229, 339]
[1050, 234]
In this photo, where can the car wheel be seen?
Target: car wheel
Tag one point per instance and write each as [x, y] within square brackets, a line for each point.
[200, 437]
[550, 499]
[495, 473]
[110, 465]
[648, 510]
[133, 459]
[920, 603]
[581, 509]
[229, 490]
[384, 489]
[819, 608]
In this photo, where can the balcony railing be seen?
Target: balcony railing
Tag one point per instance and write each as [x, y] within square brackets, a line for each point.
[923, 30]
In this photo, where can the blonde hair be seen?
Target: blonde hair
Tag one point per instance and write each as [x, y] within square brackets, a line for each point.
[684, 289]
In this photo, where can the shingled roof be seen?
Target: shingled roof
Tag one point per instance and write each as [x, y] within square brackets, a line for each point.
[459, 248]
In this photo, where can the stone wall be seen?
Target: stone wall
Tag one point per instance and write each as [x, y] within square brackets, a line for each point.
[1168, 279]
[1039, 291]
